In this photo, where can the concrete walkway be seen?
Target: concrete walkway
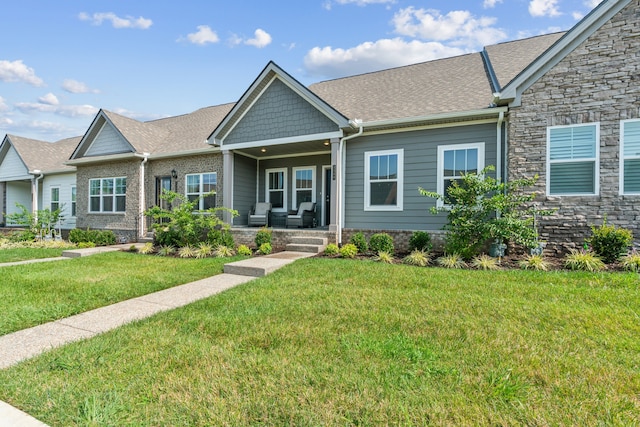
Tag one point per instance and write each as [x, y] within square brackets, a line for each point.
[25, 344]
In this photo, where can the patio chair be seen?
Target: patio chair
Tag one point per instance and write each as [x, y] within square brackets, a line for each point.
[305, 217]
[259, 214]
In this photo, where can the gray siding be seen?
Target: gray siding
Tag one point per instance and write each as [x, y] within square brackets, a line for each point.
[279, 113]
[12, 167]
[244, 187]
[108, 141]
[420, 170]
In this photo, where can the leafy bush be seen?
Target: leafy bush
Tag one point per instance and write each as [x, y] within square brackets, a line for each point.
[331, 249]
[223, 251]
[385, 257]
[265, 248]
[584, 261]
[420, 240]
[43, 222]
[98, 237]
[22, 236]
[453, 260]
[86, 245]
[349, 251]
[381, 242]
[220, 238]
[204, 250]
[417, 257]
[187, 252]
[263, 236]
[485, 262]
[631, 262]
[534, 262]
[360, 241]
[609, 242]
[244, 250]
[147, 249]
[166, 250]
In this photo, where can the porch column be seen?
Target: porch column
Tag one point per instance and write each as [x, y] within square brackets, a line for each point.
[227, 184]
[335, 176]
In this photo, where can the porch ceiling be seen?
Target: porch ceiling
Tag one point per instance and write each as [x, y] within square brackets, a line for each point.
[287, 150]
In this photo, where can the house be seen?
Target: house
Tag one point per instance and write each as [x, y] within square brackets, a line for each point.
[33, 174]
[574, 119]
[124, 164]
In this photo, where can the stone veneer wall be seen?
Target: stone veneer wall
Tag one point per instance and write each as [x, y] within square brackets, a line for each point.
[400, 238]
[279, 237]
[598, 82]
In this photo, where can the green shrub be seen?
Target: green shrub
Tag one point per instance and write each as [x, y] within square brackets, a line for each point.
[219, 237]
[85, 245]
[534, 262]
[349, 251]
[609, 242]
[99, 237]
[631, 262]
[331, 249]
[22, 236]
[223, 251]
[384, 257]
[166, 250]
[147, 249]
[381, 242]
[421, 241]
[263, 236]
[584, 261]
[204, 250]
[360, 241]
[244, 250]
[453, 260]
[265, 248]
[418, 258]
[485, 262]
[187, 252]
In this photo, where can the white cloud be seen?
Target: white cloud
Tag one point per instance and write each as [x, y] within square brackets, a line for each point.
[74, 86]
[203, 36]
[17, 71]
[61, 110]
[49, 99]
[328, 4]
[458, 27]
[116, 21]
[261, 39]
[369, 56]
[6, 121]
[3, 105]
[489, 4]
[538, 8]
[592, 3]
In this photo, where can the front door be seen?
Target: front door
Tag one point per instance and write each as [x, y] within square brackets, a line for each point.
[326, 185]
[162, 183]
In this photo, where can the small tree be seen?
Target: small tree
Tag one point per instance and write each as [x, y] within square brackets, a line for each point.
[43, 222]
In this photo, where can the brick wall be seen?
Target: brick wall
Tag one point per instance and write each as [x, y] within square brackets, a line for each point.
[597, 82]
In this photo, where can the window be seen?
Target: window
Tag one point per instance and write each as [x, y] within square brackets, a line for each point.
[572, 159]
[455, 161]
[303, 186]
[201, 184]
[55, 198]
[277, 189]
[383, 180]
[630, 157]
[107, 194]
[73, 201]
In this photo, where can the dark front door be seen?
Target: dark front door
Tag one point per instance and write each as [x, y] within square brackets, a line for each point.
[327, 196]
[162, 183]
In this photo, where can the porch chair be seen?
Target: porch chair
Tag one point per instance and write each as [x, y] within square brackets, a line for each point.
[259, 214]
[305, 217]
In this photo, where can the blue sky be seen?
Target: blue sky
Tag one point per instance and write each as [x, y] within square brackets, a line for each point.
[60, 62]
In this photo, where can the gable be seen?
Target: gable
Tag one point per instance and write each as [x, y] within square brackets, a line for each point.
[12, 166]
[108, 141]
[279, 113]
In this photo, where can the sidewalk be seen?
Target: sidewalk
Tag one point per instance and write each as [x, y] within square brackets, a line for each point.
[25, 344]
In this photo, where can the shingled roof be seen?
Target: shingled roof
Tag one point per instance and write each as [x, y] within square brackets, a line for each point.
[44, 156]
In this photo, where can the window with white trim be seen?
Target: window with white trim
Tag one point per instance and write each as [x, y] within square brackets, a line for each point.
[276, 189]
[73, 201]
[198, 185]
[455, 161]
[630, 156]
[572, 159]
[55, 199]
[107, 195]
[304, 185]
[383, 179]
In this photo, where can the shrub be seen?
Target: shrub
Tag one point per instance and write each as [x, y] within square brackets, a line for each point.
[453, 260]
[331, 249]
[631, 262]
[85, 245]
[534, 262]
[417, 257]
[148, 248]
[484, 262]
[263, 236]
[421, 241]
[244, 250]
[166, 250]
[609, 242]
[204, 250]
[349, 251]
[223, 251]
[187, 252]
[381, 242]
[99, 237]
[385, 257]
[265, 248]
[360, 241]
[220, 238]
[133, 248]
[584, 261]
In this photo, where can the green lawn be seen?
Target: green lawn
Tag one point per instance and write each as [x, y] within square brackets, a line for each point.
[340, 342]
[22, 254]
[37, 293]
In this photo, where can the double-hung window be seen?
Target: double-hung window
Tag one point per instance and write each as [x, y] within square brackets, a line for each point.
[107, 195]
[383, 180]
[55, 198]
[572, 159]
[303, 186]
[455, 161]
[73, 201]
[200, 184]
[630, 157]
[276, 189]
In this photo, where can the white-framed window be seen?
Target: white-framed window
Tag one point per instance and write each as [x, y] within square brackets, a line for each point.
[573, 159]
[276, 189]
[455, 161]
[55, 199]
[108, 195]
[304, 185]
[199, 184]
[73, 201]
[383, 180]
[630, 156]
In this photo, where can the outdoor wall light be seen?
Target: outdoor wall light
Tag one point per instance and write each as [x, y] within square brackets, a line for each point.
[264, 150]
[174, 174]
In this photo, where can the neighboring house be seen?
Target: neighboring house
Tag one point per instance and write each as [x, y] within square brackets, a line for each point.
[33, 174]
[575, 121]
[123, 165]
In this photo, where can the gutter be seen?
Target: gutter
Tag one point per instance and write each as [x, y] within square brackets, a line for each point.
[440, 116]
[141, 200]
[499, 155]
[342, 164]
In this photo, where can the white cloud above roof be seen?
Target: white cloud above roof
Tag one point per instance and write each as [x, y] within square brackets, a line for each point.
[328, 4]
[49, 99]
[116, 21]
[488, 4]
[61, 110]
[17, 71]
[261, 39]
[203, 36]
[539, 8]
[74, 86]
[3, 105]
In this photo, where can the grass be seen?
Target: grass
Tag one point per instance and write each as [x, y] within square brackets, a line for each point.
[342, 342]
[37, 293]
[23, 254]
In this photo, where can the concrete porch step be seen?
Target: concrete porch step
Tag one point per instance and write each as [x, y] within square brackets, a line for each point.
[314, 249]
[308, 240]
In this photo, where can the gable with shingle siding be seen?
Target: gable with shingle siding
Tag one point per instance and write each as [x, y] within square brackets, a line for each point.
[108, 141]
[12, 166]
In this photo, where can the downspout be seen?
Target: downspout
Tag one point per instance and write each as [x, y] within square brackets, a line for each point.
[36, 192]
[141, 196]
[340, 188]
[499, 146]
